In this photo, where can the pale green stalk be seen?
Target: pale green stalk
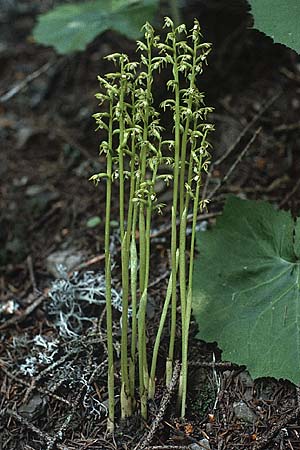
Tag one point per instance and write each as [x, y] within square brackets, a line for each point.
[131, 248]
[142, 322]
[122, 92]
[183, 209]
[162, 321]
[109, 323]
[184, 367]
[144, 230]
[169, 365]
[133, 277]
[184, 336]
[125, 392]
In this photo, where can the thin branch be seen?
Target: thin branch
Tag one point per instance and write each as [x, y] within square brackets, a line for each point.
[165, 401]
[234, 165]
[24, 314]
[269, 436]
[59, 435]
[290, 194]
[19, 86]
[43, 390]
[42, 434]
[238, 140]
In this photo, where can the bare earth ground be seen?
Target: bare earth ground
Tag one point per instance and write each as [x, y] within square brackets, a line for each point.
[52, 385]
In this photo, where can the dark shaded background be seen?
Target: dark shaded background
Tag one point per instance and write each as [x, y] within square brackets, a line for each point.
[48, 150]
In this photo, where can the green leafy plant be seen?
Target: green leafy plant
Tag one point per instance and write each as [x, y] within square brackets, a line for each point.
[71, 27]
[137, 153]
[278, 19]
[249, 302]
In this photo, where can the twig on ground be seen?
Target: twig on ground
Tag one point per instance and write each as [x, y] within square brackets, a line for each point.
[234, 165]
[290, 75]
[22, 84]
[90, 262]
[46, 217]
[66, 136]
[42, 434]
[31, 273]
[270, 435]
[64, 426]
[287, 127]
[165, 401]
[166, 228]
[290, 194]
[48, 369]
[24, 314]
[154, 234]
[169, 447]
[43, 390]
[221, 365]
[238, 140]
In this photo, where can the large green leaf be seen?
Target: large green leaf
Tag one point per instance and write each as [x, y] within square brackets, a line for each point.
[280, 19]
[73, 26]
[246, 288]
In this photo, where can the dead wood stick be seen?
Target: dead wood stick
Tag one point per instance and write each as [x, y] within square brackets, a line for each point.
[266, 440]
[169, 447]
[44, 372]
[66, 136]
[262, 110]
[79, 396]
[154, 234]
[19, 86]
[21, 317]
[247, 128]
[234, 165]
[43, 390]
[42, 434]
[148, 436]
[221, 365]
[165, 229]
[290, 194]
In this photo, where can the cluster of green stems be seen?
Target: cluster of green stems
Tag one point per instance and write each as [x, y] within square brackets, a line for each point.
[137, 154]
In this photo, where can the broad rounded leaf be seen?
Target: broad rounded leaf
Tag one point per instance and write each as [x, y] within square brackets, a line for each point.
[280, 19]
[73, 26]
[247, 286]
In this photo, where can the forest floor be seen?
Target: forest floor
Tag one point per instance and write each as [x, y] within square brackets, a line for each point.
[52, 352]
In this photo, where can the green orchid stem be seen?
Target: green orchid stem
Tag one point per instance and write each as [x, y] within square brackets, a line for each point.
[169, 366]
[134, 161]
[109, 323]
[184, 197]
[125, 239]
[188, 310]
[133, 276]
[159, 334]
[184, 367]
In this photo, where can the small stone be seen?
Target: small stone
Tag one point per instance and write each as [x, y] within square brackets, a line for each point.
[243, 412]
[68, 258]
[34, 408]
[202, 445]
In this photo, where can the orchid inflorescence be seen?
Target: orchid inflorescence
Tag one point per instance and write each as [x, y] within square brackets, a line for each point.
[137, 150]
